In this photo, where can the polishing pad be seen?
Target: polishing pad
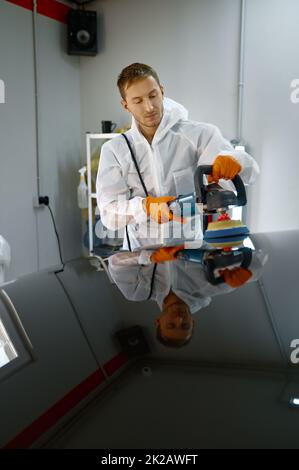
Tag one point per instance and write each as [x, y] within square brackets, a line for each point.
[225, 228]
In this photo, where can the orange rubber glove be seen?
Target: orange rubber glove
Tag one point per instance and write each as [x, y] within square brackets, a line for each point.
[157, 208]
[236, 277]
[166, 254]
[225, 167]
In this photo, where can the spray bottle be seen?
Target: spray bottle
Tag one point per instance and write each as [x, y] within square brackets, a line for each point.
[82, 190]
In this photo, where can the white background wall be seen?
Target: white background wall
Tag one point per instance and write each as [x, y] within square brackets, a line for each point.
[182, 41]
[184, 406]
[194, 47]
[270, 118]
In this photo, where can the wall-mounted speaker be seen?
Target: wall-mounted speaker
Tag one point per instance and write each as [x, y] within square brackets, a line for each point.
[133, 341]
[82, 38]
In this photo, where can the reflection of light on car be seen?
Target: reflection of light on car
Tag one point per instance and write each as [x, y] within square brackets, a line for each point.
[294, 401]
[248, 243]
[7, 350]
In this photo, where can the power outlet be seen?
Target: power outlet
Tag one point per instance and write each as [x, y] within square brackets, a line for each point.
[40, 202]
[36, 203]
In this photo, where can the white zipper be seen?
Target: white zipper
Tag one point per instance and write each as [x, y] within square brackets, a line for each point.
[157, 172]
[154, 167]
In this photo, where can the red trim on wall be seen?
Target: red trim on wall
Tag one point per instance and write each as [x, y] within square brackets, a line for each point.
[50, 8]
[44, 422]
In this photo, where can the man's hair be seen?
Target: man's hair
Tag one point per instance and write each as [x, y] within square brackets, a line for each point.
[132, 73]
[172, 343]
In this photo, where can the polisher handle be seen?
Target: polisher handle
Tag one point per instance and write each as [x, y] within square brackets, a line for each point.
[210, 265]
[200, 187]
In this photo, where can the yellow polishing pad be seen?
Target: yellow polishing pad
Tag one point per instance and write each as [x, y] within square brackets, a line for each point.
[225, 224]
[227, 244]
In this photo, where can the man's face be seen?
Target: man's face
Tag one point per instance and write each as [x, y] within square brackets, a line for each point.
[176, 321]
[144, 99]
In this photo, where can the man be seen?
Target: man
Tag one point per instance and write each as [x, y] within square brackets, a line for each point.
[168, 148]
[179, 287]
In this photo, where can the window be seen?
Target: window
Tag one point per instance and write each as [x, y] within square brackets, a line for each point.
[7, 350]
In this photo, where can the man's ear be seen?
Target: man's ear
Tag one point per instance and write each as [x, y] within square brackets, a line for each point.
[162, 90]
[124, 104]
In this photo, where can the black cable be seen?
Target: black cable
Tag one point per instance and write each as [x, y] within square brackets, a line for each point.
[57, 236]
[128, 239]
[135, 163]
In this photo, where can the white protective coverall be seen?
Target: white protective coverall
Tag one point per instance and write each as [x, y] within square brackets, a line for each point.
[167, 167]
[186, 279]
[5, 257]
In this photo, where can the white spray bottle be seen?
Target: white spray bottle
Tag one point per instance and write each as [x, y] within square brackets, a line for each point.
[82, 190]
